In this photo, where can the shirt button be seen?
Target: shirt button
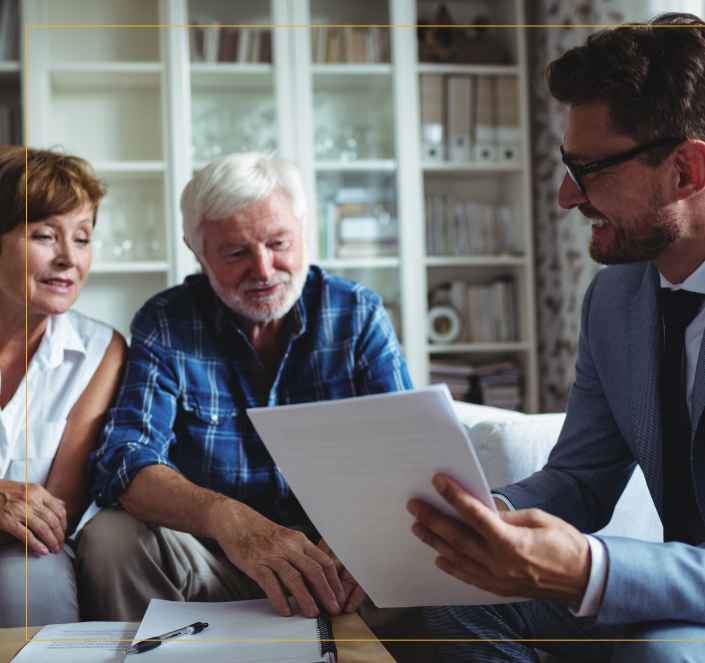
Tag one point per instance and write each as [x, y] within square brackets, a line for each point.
[214, 418]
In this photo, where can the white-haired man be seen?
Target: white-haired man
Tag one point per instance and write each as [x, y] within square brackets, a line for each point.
[206, 513]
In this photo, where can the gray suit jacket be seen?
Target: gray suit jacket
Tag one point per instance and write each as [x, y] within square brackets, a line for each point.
[613, 421]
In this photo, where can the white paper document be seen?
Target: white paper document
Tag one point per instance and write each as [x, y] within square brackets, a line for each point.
[354, 464]
[238, 632]
[86, 642]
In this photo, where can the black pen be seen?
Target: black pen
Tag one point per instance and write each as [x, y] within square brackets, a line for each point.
[153, 642]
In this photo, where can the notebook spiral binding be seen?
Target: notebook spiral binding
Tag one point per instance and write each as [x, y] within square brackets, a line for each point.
[329, 651]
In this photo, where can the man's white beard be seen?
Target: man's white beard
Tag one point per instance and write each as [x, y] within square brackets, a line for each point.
[267, 310]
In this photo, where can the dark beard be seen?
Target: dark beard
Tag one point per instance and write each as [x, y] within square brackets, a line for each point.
[628, 248]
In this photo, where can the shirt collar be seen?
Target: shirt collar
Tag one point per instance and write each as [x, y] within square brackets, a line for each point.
[59, 337]
[694, 283]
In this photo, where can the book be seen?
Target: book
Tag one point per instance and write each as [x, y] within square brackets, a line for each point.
[432, 117]
[485, 119]
[237, 631]
[229, 38]
[459, 108]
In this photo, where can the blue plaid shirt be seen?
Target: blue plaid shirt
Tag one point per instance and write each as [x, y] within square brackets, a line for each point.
[192, 372]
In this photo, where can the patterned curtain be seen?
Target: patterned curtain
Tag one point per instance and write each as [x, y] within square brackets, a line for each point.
[563, 265]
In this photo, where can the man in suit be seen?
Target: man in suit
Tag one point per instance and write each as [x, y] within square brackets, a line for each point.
[634, 148]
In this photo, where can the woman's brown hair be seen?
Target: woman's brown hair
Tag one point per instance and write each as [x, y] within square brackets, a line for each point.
[57, 183]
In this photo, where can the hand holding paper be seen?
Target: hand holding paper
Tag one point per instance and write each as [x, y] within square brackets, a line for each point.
[528, 552]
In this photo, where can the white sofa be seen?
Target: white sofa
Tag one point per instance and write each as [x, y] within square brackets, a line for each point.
[511, 446]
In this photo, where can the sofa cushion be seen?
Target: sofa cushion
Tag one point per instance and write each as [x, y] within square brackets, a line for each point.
[514, 447]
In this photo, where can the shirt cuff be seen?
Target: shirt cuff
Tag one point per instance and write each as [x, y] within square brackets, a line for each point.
[592, 599]
[504, 500]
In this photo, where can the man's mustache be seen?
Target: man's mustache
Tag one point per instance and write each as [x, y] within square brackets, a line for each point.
[590, 212]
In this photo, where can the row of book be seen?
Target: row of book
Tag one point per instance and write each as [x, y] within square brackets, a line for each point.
[212, 42]
[470, 118]
[459, 226]
[485, 313]
[497, 384]
[350, 45]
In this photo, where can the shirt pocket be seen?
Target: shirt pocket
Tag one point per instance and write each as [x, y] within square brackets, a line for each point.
[207, 438]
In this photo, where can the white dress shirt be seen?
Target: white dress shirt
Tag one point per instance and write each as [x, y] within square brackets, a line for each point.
[592, 599]
[71, 349]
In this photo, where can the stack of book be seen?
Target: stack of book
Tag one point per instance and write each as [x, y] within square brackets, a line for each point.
[497, 384]
[211, 42]
[459, 226]
[470, 118]
[500, 385]
[350, 45]
[454, 374]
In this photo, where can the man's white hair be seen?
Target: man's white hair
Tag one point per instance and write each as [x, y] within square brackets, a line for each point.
[233, 182]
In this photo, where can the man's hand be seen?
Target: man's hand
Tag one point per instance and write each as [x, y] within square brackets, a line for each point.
[277, 559]
[524, 553]
[46, 516]
[354, 594]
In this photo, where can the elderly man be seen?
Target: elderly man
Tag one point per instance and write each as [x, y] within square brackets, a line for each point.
[206, 514]
[634, 151]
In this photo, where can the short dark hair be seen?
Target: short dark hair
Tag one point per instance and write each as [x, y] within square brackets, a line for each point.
[650, 75]
[57, 183]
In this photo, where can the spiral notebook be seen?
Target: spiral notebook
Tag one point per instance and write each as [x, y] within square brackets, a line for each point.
[242, 631]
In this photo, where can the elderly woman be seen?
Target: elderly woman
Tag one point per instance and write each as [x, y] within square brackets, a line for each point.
[51, 408]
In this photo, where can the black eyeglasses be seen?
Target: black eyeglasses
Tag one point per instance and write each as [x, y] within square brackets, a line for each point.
[578, 171]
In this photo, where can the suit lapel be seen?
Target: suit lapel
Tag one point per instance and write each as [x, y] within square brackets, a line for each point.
[698, 449]
[644, 345]
[698, 402]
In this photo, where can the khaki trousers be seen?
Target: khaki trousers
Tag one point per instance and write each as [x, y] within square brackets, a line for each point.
[123, 563]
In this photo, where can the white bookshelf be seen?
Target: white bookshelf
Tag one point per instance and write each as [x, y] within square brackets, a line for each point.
[146, 107]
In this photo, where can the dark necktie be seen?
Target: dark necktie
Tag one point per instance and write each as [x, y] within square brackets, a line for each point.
[682, 520]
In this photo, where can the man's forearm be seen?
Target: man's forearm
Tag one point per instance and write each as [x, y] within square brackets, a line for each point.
[160, 495]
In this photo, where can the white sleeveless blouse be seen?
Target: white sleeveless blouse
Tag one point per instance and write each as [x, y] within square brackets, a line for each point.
[68, 355]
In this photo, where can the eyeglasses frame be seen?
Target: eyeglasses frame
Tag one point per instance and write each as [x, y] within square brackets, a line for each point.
[578, 171]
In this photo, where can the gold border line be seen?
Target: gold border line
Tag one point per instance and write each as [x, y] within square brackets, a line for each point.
[24, 69]
[25, 95]
[82, 26]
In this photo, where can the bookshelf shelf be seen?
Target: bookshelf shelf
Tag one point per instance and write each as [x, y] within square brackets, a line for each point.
[478, 167]
[228, 76]
[468, 69]
[90, 76]
[129, 267]
[360, 166]
[352, 69]
[475, 261]
[9, 67]
[478, 348]
[129, 167]
[359, 263]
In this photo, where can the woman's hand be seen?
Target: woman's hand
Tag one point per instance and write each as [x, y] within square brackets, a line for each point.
[45, 514]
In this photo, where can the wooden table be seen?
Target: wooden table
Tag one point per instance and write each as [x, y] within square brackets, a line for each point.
[345, 627]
